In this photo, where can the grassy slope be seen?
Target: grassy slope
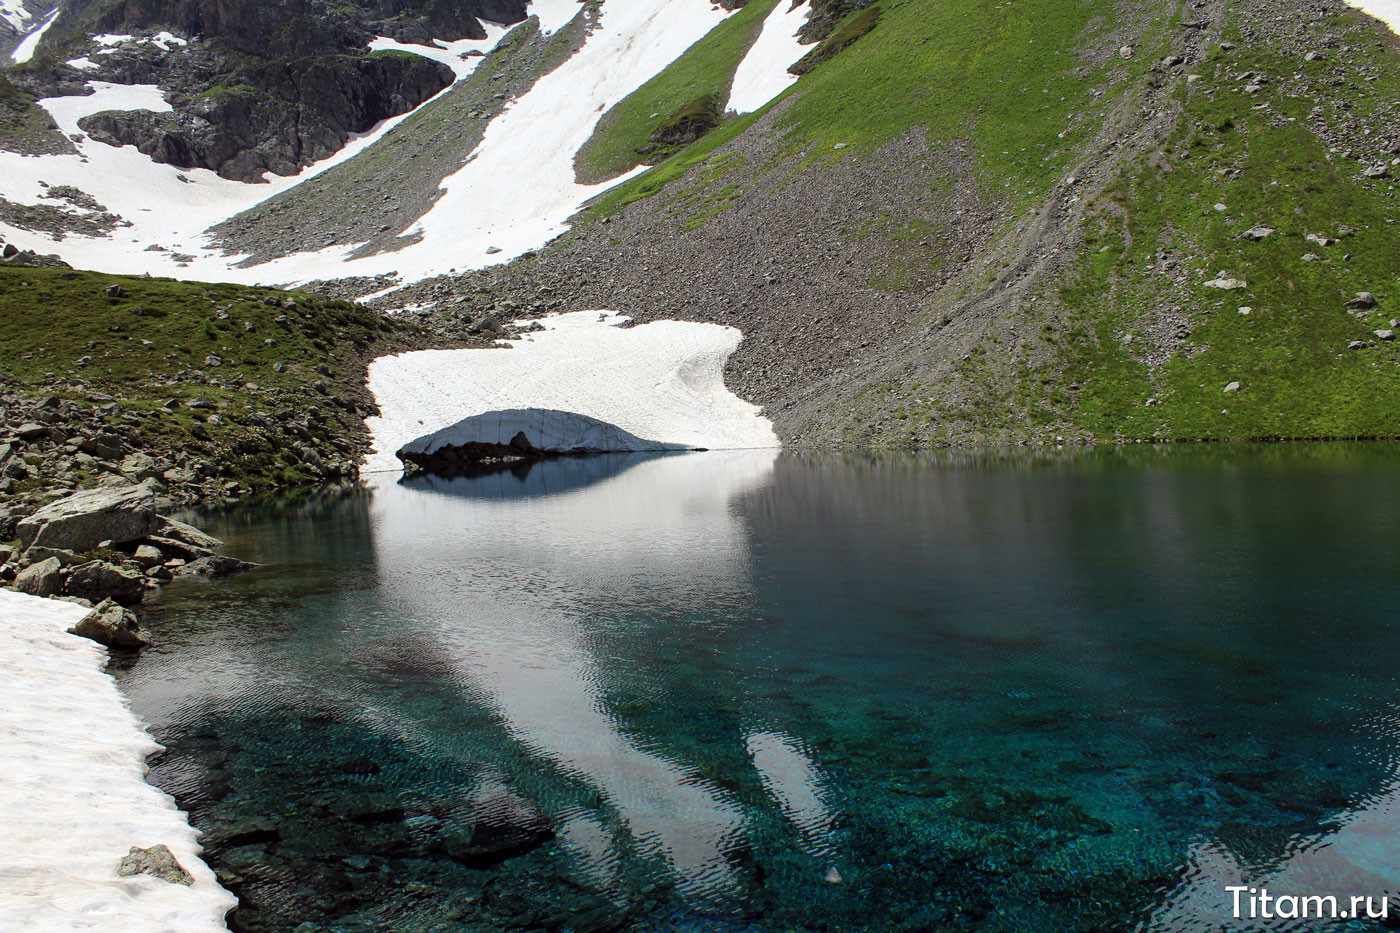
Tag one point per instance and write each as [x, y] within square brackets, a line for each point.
[1000, 79]
[1011, 86]
[707, 68]
[52, 318]
[1290, 353]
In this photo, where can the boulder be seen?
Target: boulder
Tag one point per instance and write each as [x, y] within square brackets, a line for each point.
[66, 558]
[42, 579]
[79, 522]
[172, 548]
[113, 626]
[98, 580]
[148, 556]
[188, 534]
[139, 466]
[158, 861]
[215, 565]
[1362, 301]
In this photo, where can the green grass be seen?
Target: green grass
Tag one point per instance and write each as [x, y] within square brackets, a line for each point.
[1005, 83]
[51, 319]
[1290, 353]
[705, 70]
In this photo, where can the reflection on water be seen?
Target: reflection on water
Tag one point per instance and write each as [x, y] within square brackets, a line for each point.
[742, 691]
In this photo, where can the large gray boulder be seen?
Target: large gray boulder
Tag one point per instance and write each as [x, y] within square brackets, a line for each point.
[83, 520]
[42, 579]
[113, 626]
[98, 580]
[187, 534]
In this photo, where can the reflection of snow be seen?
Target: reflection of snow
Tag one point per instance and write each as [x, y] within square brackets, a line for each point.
[74, 798]
[662, 381]
[791, 777]
[763, 74]
[1361, 857]
[510, 583]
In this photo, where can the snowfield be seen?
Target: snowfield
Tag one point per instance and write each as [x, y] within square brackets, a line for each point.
[1387, 11]
[452, 54]
[75, 799]
[763, 74]
[662, 382]
[30, 43]
[14, 15]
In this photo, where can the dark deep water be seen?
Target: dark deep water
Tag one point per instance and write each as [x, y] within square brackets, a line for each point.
[728, 692]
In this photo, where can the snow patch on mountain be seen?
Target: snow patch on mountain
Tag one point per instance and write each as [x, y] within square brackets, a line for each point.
[763, 74]
[30, 43]
[1387, 11]
[454, 55]
[167, 208]
[14, 15]
[513, 194]
[662, 381]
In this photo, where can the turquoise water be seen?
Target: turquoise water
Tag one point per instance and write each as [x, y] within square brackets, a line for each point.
[740, 692]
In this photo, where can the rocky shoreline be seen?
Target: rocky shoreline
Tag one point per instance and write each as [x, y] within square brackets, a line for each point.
[106, 549]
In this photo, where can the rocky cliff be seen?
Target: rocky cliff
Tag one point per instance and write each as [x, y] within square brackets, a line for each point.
[257, 86]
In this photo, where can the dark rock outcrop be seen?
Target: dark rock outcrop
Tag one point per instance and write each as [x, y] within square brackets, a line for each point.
[289, 116]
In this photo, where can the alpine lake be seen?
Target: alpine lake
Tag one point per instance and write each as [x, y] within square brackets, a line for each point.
[759, 692]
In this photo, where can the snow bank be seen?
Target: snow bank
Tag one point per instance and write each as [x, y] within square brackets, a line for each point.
[662, 381]
[513, 194]
[517, 190]
[763, 74]
[30, 43]
[546, 429]
[74, 799]
[13, 13]
[452, 54]
[1387, 11]
[166, 206]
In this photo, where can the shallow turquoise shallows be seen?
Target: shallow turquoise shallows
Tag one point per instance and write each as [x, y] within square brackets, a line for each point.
[759, 692]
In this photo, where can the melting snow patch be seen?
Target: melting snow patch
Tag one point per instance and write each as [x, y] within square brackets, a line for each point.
[452, 54]
[25, 50]
[1387, 11]
[662, 381]
[74, 799]
[163, 204]
[517, 190]
[83, 64]
[763, 74]
[14, 13]
[554, 14]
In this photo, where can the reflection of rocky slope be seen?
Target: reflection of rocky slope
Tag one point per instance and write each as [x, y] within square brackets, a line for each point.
[260, 86]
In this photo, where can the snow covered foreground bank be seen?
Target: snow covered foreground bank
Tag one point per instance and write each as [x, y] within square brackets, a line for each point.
[662, 381]
[74, 799]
